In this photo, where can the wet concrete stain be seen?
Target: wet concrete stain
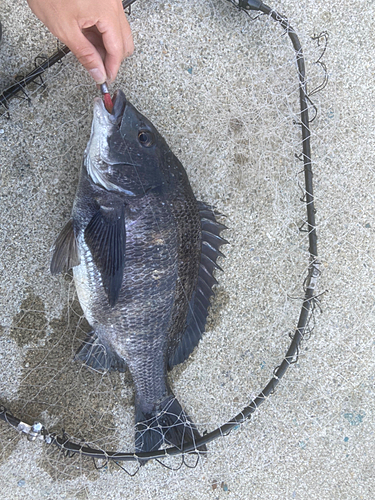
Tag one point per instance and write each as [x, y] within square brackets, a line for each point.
[30, 324]
[60, 392]
[9, 439]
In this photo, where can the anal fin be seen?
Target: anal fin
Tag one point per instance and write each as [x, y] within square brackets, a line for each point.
[99, 356]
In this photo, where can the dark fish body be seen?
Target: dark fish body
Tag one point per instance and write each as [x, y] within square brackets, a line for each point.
[143, 251]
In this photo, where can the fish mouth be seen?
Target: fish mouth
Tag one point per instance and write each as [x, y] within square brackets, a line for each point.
[119, 103]
[114, 117]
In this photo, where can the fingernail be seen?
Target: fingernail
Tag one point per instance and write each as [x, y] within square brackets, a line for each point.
[97, 75]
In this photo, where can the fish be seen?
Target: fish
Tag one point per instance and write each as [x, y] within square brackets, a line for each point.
[143, 252]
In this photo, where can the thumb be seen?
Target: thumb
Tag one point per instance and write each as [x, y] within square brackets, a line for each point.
[88, 56]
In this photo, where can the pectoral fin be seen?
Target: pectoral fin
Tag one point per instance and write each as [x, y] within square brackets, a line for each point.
[65, 250]
[105, 236]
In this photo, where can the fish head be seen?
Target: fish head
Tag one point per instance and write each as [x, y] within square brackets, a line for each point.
[125, 150]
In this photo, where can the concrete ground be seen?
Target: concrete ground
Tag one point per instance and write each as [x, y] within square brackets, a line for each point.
[222, 89]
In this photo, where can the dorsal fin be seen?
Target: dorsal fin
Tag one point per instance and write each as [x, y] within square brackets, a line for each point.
[200, 301]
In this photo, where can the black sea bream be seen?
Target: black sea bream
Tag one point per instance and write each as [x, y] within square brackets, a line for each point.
[143, 251]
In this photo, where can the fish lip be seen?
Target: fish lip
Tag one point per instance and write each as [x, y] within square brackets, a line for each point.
[103, 115]
[119, 104]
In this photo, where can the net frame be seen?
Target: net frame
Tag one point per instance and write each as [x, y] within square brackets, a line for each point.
[68, 445]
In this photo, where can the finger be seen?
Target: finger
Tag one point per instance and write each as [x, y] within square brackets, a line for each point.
[96, 39]
[127, 37]
[118, 43]
[112, 42]
[87, 54]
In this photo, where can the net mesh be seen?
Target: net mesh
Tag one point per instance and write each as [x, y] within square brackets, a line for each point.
[223, 91]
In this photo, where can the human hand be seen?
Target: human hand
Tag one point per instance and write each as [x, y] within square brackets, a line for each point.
[96, 31]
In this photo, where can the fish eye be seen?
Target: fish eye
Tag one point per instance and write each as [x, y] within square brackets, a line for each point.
[146, 138]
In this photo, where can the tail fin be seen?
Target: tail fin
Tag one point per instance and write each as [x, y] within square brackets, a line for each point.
[168, 423]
